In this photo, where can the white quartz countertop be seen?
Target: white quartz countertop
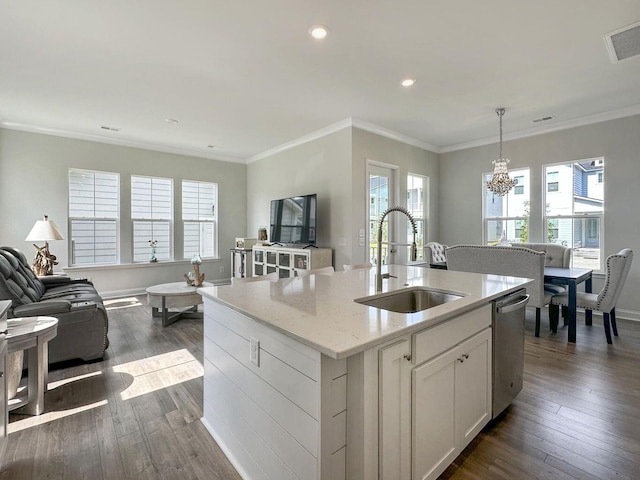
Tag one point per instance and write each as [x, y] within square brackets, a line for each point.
[319, 311]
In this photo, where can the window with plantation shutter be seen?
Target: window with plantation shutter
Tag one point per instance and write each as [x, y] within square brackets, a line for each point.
[199, 215]
[152, 215]
[93, 217]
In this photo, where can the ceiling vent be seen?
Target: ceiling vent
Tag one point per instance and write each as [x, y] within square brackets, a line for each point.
[623, 43]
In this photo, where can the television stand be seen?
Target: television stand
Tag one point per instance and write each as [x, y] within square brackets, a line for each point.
[285, 260]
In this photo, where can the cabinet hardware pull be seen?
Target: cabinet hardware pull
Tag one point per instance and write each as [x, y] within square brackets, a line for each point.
[1, 374]
[407, 357]
[6, 332]
[462, 357]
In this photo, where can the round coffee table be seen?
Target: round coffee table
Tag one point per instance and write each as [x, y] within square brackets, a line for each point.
[32, 334]
[174, 295]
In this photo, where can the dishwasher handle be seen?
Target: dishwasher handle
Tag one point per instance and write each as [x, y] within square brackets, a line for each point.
[512, 307]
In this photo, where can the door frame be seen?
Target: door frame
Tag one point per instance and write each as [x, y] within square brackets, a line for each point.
[394, 187]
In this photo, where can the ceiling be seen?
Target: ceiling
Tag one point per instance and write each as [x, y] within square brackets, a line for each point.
[244, 77]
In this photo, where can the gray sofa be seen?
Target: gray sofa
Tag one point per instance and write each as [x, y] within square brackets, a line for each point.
[513, 261]
[82, 318]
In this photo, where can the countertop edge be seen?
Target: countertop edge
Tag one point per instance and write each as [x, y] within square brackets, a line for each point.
[472, 303]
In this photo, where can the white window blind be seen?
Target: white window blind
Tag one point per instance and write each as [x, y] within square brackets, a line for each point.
[152, 215]
[199, 215]
[93, 217]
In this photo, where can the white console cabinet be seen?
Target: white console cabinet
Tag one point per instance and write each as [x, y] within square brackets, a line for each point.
[268, 259]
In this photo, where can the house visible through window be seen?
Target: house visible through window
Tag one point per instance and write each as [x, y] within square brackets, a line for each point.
[152, 215]
[199, 201]
[575, 209]
[507, 218]
[519, 188]
[552, 181]
[93, 217]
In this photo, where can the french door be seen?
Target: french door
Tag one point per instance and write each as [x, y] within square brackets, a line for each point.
[380, 196]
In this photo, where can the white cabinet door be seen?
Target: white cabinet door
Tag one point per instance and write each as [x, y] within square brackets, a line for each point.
[434, 439]
[395, 411]
[473, 386]
[451, 404]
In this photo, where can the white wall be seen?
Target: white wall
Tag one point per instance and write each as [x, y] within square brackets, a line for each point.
[34, 181]
[617, 141]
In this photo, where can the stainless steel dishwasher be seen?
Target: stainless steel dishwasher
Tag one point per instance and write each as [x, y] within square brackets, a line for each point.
[508, 348]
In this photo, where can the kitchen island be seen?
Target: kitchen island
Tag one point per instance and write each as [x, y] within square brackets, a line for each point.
[302, 382]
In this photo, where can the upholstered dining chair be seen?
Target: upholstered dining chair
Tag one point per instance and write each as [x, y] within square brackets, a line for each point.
[301, 272]
[434, 252]
[618, 266]
[357, 266]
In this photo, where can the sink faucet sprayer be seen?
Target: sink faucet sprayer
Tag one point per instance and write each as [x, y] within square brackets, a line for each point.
[414, 247]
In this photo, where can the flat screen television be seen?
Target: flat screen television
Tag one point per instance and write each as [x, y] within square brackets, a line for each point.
[293, 220]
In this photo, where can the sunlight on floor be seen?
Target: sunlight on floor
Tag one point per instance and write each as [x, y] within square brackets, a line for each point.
[146, 375]
[160, 371]
[119, 303]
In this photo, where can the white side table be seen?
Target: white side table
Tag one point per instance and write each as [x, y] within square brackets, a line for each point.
[32, 334]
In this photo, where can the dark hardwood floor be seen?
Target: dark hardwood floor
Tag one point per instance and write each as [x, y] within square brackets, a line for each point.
[136, 414]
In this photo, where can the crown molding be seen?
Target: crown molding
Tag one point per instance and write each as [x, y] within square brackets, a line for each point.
[566, 125]
[323, 132]
[384, 132]
[122, 142]
[346, 123]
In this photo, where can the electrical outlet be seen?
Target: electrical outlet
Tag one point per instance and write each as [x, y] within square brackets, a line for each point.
[254, 351]
[222, 269]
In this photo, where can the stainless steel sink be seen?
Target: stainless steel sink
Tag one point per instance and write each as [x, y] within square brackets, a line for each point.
[410, 300]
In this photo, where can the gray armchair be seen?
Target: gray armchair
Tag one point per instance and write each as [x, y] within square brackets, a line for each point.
[82, 318]
[618, 266]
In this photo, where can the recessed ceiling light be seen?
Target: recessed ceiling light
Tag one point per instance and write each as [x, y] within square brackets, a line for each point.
[173, 121]
[408, 82]
[318, 31]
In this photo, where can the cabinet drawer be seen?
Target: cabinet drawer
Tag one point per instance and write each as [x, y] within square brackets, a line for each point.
[435, 340]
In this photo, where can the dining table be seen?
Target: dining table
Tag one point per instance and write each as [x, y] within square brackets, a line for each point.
[570, 277]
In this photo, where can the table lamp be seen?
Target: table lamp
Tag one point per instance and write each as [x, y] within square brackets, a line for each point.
[43, 231]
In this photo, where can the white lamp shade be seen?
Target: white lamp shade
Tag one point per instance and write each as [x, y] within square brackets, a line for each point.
[44, 231]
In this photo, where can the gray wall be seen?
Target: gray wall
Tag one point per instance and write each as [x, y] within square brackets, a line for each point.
[618, 141]
[34, 181]
[334, 167]
[321, 166]
[367, 147]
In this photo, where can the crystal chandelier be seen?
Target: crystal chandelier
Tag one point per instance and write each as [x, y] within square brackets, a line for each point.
[500, 183]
